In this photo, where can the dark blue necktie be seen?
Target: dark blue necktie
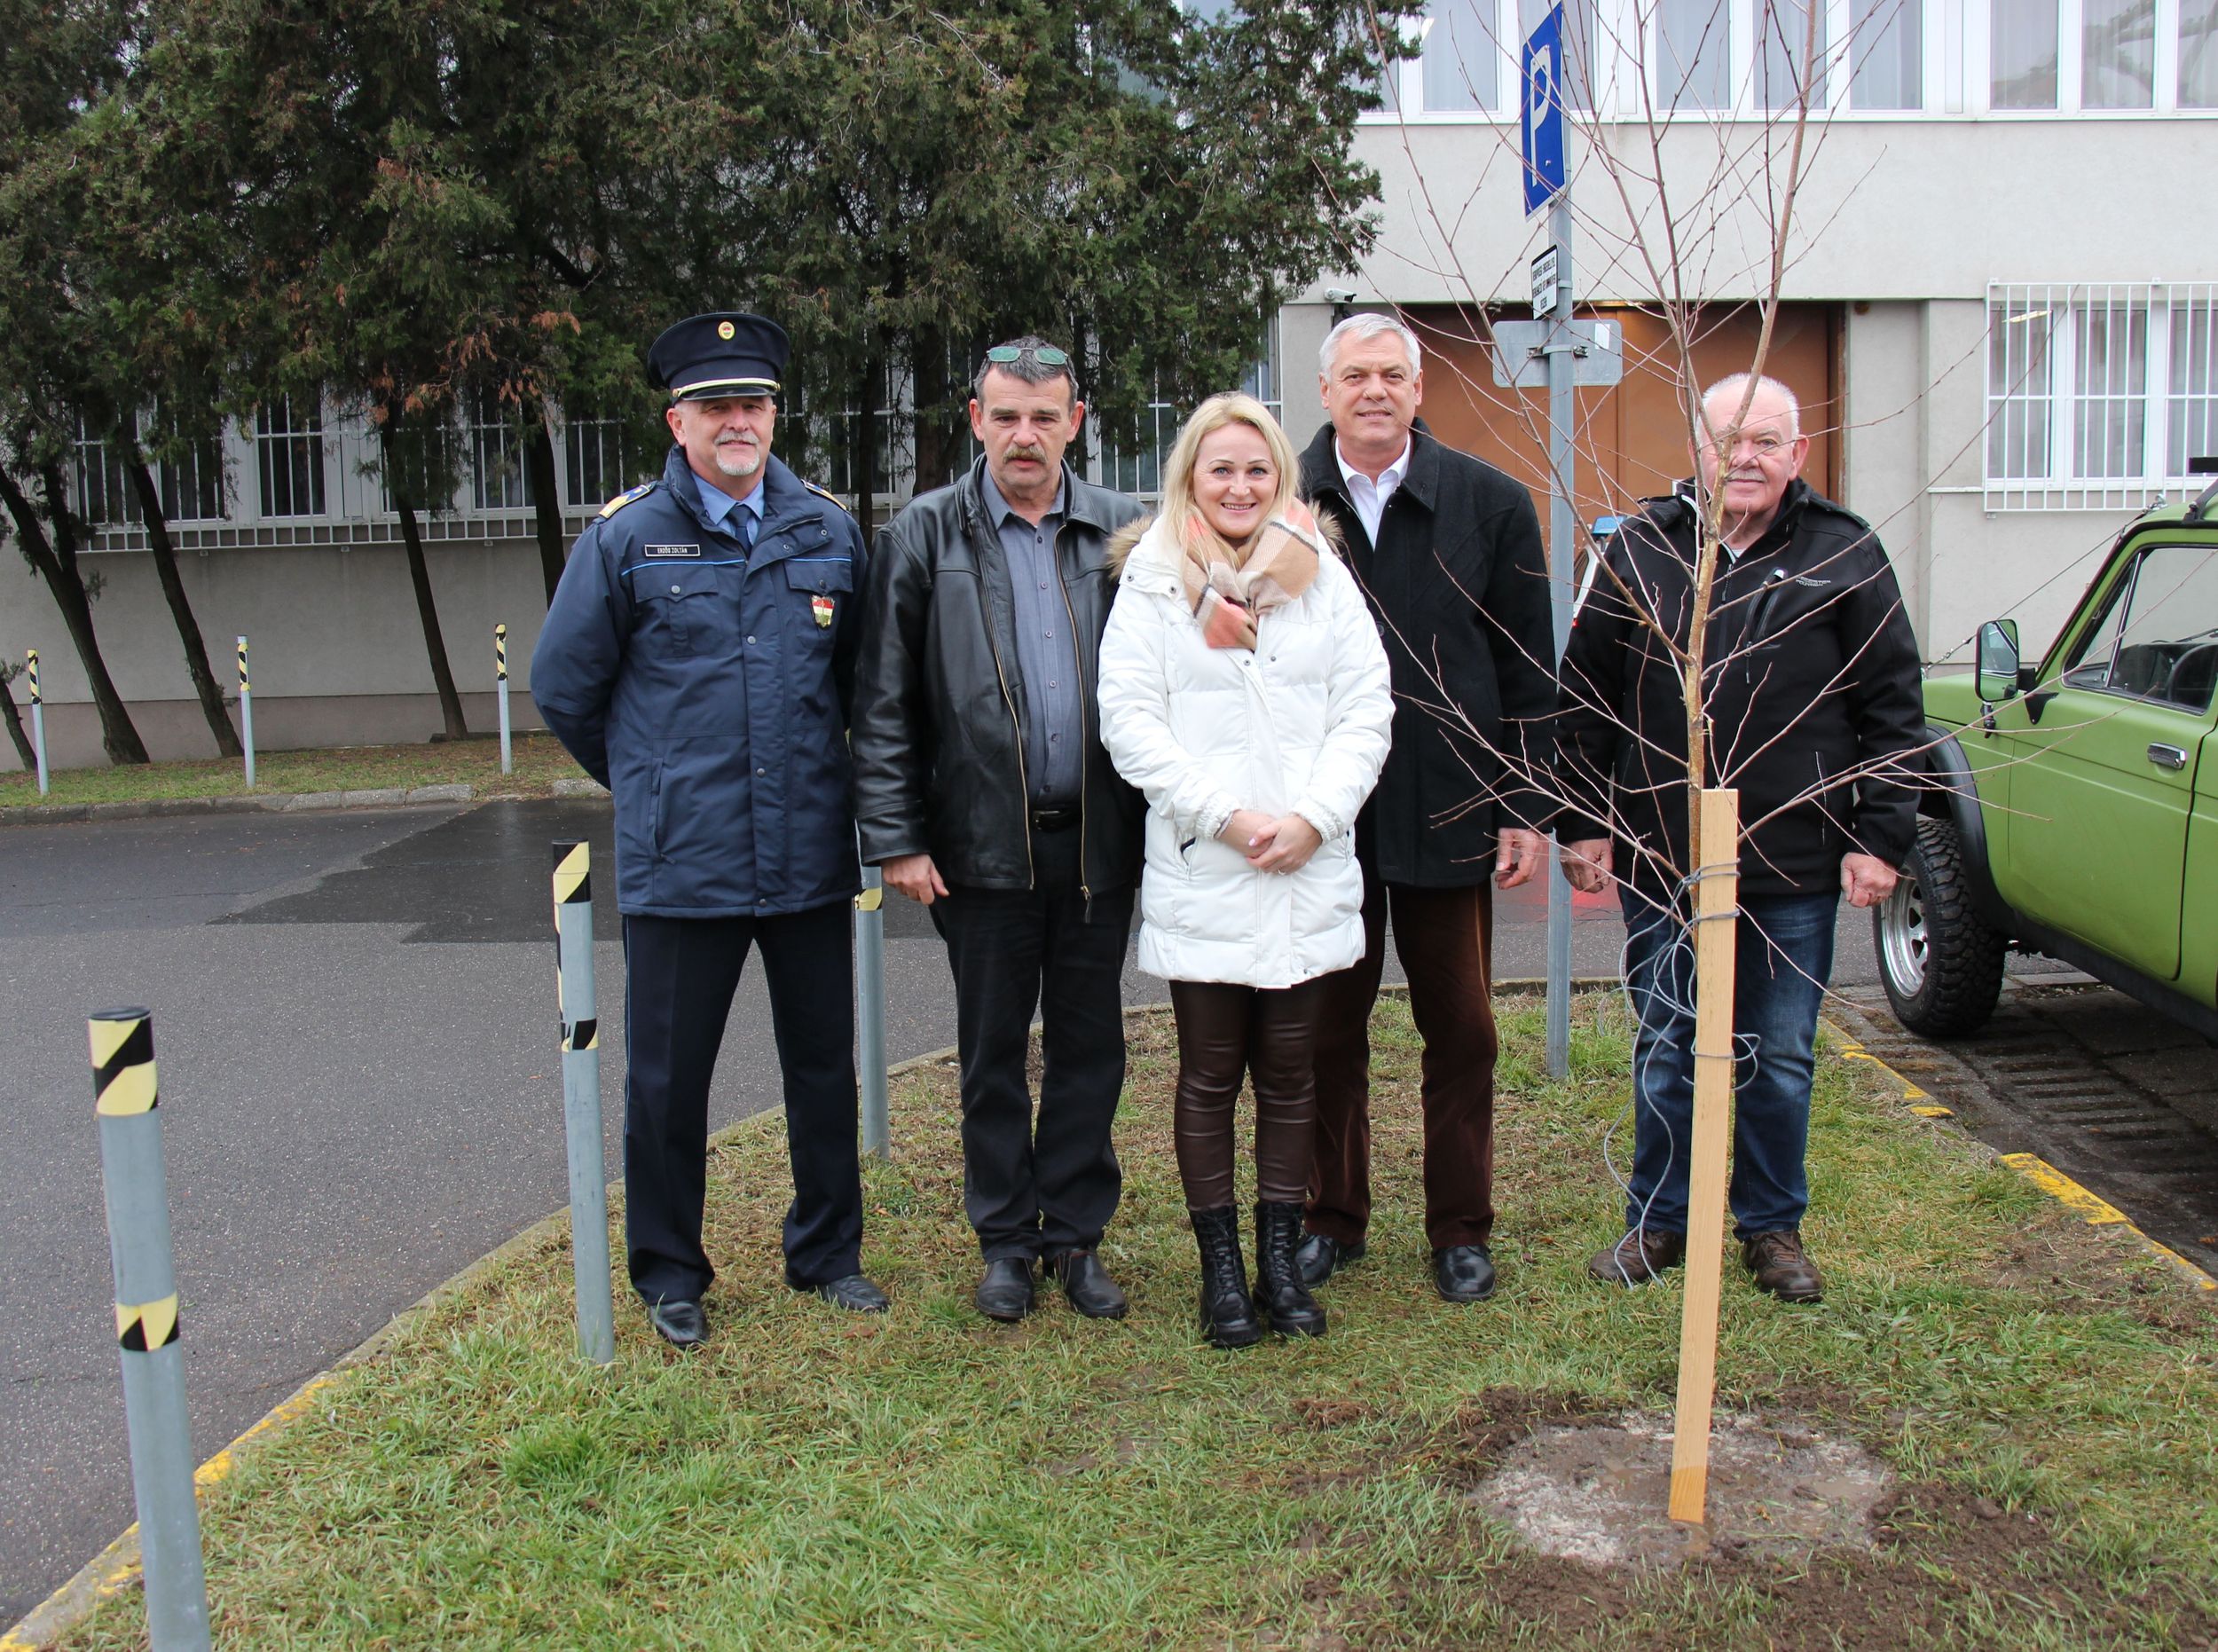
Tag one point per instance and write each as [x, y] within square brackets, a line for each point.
[746, 529]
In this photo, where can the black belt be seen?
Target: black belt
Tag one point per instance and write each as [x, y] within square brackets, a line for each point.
[1055, 820]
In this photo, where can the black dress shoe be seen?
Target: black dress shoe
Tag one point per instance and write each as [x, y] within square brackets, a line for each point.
[1464, 1273]
[854, 1293]
[1319, 1258]
[1005, 1293]
[682, 1324]
[1087, 1285]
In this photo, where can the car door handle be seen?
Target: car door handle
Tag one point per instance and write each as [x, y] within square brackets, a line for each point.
[2166, 756]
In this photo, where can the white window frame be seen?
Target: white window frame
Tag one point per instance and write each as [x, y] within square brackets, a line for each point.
[1955, 76]
[2061, 489]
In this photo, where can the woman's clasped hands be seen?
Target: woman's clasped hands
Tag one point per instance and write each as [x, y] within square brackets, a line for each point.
[1284, 844]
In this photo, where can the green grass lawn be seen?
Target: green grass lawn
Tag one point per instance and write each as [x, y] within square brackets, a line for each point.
[929, 1481]
[540, 761]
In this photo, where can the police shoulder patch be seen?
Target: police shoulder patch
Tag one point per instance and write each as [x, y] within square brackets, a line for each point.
[626, 498]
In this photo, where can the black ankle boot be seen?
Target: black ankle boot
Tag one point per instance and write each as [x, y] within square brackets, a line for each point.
[1280, 1297]
[1228, 1312]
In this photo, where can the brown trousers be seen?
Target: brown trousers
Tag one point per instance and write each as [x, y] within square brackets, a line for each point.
[1445, 938]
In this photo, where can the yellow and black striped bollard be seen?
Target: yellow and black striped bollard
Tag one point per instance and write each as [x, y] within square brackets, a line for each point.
[39, 717]
[246, 713]
[500, 682]
[581, 1101]
[124, 1098]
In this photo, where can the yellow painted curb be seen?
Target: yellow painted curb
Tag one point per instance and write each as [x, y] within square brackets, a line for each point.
[2082, 1202]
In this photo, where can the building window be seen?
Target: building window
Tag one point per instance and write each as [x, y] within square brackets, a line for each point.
[2198, 54]
[1135, 464]
[1462, 57]
[2098, 397]
[2118, 54]
[289, 447]
[2022, 38]
[1790, 62]
[597, 462]
[1693, 54]
[498, 478]
[191, 487]
[1886, 54]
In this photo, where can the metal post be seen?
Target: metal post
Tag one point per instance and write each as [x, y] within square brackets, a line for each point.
[870, 1027]
[246, 713]
[124, 1099]
[1562, 550]
[581, 1101]
[501, 679]
[39, 717]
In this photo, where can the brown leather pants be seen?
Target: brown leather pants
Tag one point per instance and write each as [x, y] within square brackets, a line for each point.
[1268, 1034]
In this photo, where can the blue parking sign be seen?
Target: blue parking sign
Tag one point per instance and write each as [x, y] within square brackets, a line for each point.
[1541, 111]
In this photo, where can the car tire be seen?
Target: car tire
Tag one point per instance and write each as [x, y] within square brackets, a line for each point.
[1940, 961]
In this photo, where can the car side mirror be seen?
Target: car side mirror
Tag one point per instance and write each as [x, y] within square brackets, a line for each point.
[1998, 660]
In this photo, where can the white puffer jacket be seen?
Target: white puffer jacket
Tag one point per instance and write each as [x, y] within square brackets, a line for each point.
[1300, 725]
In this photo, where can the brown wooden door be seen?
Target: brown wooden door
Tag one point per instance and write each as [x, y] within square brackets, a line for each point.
[1632, 436]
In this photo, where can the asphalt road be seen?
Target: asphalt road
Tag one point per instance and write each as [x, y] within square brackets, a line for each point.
[354, 1024]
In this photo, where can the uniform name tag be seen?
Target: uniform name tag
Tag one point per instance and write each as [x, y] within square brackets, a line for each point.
[670, 550]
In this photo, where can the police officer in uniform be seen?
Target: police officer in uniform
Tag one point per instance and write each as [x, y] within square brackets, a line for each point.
[697, 660]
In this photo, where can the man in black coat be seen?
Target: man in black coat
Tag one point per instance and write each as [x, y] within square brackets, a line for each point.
[1811, 691]
[1448, 552]
[982, 788]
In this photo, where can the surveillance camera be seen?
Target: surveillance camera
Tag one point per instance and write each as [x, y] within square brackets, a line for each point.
[1339, 294]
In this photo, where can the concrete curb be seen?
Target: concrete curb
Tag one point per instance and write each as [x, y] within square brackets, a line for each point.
[275, 803]
[2089, 1207]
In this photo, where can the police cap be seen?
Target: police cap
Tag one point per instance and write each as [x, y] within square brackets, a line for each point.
[726, 353]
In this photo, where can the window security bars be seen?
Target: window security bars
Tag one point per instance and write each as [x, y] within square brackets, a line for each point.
[2098, 395]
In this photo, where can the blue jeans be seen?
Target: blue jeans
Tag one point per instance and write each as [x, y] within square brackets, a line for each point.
[1784, 955]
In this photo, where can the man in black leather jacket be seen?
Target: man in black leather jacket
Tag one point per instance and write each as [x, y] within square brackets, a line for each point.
[982, 789]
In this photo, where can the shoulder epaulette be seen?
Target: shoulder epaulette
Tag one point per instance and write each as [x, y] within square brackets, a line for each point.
[626, 498]
[824, 493]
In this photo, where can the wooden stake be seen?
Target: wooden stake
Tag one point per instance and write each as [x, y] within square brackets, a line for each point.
[1717, 887]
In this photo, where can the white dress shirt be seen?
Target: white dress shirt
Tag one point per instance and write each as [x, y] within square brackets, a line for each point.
[1368, 496]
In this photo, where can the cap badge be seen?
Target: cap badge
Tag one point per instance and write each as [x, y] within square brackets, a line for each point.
[724, 329]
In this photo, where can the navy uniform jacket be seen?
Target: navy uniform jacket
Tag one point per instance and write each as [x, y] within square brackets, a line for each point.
[707, 687]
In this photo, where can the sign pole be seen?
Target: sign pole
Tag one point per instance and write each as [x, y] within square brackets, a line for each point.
[1562, 548]
[1548, 183]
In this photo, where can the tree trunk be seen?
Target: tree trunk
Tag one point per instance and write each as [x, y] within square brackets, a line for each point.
[546, 501]
[22, 741]
[55, 559]
[165, 555]
[419, 577]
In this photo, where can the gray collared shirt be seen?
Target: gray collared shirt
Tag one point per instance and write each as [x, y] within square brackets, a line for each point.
[1055, 724]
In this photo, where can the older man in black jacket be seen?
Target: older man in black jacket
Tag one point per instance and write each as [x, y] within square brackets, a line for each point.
[1810, 686]
[982, 788]
[1448, 552]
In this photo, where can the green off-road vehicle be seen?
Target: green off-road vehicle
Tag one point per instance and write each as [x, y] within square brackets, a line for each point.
[2073, 803]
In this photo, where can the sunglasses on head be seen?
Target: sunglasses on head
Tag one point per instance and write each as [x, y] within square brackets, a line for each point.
[1046, 355]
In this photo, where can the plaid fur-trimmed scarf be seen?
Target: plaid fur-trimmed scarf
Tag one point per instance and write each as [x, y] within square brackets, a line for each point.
[1229, 596]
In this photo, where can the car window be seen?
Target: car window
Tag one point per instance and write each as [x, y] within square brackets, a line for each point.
[2168, 648]
[2091, 660]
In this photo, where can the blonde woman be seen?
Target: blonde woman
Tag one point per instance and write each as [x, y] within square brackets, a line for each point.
[1243, 690]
